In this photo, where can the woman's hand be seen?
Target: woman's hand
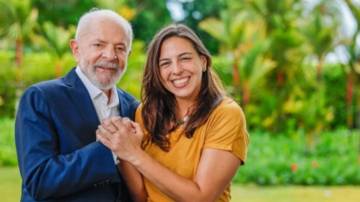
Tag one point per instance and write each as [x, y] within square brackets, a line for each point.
[122, 136]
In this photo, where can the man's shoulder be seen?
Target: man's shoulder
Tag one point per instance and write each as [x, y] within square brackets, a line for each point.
[125, 95]
[53, 85]
[46, 86]
[128, 103]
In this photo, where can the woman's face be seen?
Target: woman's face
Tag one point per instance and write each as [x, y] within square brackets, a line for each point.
[181, 68]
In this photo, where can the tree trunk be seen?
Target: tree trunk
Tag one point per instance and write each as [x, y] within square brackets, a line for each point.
[245, 93]
[280, 78]
[349, 99]
[19, 52]
[236, 74]
[319, 68]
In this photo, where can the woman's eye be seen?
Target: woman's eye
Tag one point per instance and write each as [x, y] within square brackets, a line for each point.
[164, 64]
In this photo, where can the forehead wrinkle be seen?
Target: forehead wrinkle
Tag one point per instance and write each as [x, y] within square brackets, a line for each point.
[90, 24]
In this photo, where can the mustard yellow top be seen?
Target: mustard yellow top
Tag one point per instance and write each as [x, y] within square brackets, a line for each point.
[225, 129]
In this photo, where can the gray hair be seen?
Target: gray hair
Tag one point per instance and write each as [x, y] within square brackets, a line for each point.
[89, 16]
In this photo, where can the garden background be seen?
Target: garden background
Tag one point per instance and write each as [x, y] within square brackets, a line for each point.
[293, 66]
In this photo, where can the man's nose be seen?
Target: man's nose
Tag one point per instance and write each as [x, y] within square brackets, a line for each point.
[109, 53]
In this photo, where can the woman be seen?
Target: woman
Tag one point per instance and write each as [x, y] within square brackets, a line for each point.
[194, 138]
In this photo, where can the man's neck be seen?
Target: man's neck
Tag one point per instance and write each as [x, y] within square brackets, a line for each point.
[108, 94]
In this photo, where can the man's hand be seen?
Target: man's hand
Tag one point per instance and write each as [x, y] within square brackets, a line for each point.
[122, 136]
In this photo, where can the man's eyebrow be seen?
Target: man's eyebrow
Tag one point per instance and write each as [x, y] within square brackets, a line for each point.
[185, 53]
[103, 41]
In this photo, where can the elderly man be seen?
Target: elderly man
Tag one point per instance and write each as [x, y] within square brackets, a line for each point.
[59, 156]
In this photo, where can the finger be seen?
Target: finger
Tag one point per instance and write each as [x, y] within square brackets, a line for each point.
[126, 121]
[108, 125]
[103, 139]
[138, 130]
[117, 121]
[104, 132]
[136, 126]
[115, 118]
[106, 120]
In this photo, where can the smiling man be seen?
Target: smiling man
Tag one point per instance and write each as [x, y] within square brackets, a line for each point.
[59, 156]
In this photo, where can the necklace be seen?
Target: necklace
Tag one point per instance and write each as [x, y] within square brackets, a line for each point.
[182, 121]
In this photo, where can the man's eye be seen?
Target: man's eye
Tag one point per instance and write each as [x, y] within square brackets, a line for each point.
[120, 48]
[97, 45]
[185, 58]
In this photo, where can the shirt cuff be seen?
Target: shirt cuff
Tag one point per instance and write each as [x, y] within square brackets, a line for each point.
[116, 160]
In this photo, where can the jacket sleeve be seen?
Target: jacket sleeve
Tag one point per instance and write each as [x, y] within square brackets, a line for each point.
[47, 173]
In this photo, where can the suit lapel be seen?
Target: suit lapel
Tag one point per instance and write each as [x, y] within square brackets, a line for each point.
[83, 104]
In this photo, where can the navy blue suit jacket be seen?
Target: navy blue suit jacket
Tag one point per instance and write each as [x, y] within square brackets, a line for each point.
[59, 157]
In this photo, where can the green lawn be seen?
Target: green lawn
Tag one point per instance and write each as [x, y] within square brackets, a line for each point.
[295, 194]
[10, 191]
[9, 184]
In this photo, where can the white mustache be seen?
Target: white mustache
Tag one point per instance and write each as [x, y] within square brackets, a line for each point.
[105, 64]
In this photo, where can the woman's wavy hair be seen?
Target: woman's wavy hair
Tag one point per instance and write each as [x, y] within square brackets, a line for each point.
[159, 105]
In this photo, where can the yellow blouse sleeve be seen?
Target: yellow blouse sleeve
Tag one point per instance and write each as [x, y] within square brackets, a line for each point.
[140, 121]
[138, 117]
[226, 130]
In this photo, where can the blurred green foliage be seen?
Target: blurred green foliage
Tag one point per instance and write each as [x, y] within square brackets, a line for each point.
[272, 160]
[282, 160]
[272, 57]
[7, 143]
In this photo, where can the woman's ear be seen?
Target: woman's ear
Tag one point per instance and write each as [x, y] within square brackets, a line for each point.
[203, 63]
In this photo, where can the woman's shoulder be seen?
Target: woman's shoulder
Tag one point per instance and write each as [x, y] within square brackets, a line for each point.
[228, 111]
[138, 116]
[228, 106]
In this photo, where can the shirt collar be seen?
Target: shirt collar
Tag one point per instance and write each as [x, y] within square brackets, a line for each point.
[95, 91]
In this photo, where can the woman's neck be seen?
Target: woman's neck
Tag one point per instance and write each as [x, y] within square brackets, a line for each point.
[183, 108]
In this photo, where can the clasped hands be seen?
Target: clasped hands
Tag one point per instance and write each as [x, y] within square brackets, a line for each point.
[122, 136]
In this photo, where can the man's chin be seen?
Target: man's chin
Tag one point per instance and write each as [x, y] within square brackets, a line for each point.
[106, 86]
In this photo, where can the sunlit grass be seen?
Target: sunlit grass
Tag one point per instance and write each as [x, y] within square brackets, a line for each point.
[295, 194]
[10, 191]
[9, 184]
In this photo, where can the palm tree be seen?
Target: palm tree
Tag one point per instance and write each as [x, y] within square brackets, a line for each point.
[287, 48]
[353, 62]
[321, 31]
[17, 21]
[56, 41]
[243, 43]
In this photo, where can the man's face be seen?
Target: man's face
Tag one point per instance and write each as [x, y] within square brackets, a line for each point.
[101, 52]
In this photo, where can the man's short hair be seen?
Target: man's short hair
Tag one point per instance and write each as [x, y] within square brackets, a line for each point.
[87, 18]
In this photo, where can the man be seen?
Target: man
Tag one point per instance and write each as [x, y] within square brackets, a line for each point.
[59, 156]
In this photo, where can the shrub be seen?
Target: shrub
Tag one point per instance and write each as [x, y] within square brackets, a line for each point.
[7, 143]
[279, 160]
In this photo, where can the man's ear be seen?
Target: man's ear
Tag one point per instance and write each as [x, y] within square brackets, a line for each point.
[74, 48]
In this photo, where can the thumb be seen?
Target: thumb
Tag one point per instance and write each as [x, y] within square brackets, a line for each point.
[138, 131]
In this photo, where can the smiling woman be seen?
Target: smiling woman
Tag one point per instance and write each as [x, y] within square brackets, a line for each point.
[193, 136]
[181, 69]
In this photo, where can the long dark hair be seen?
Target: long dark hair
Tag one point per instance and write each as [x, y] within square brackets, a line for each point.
[159, 111]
